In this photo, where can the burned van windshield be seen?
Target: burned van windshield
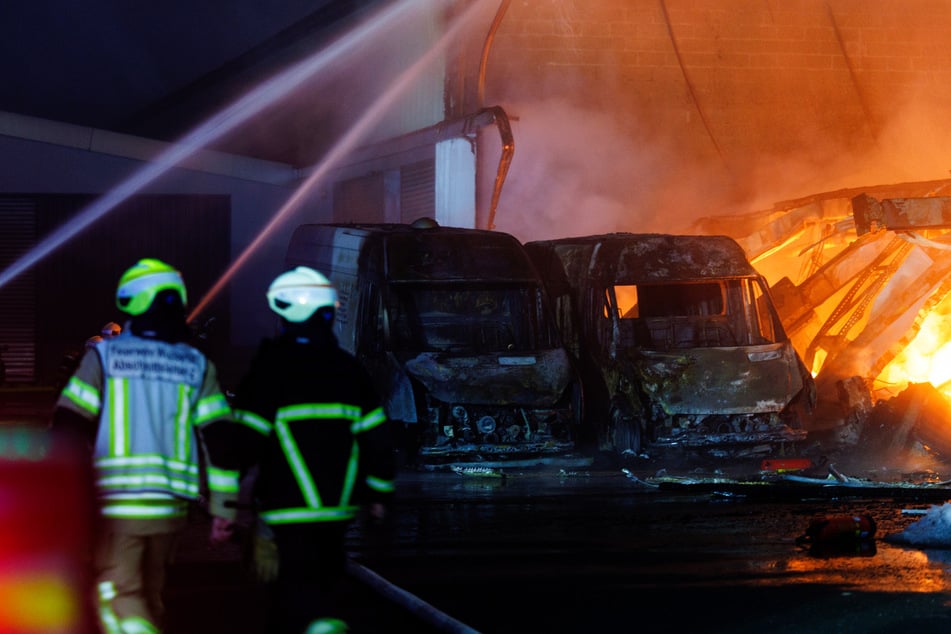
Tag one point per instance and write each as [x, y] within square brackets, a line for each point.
[670, 300]
[676, 315]
[467, 319]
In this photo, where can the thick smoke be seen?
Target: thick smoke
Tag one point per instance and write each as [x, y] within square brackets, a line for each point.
[579, 172]
[602, 144]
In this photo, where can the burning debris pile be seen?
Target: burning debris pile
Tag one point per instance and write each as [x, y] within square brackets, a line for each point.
[861, 279]
[911, 428]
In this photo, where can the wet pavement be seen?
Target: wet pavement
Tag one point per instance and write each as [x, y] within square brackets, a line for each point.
[595, 551]
[660, 548]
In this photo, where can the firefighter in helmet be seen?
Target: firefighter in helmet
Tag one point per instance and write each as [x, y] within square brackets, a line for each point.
[110, 329]
[135, 402]
[315, 433]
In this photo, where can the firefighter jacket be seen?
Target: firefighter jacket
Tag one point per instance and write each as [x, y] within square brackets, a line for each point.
[147, 398]
[315, 426]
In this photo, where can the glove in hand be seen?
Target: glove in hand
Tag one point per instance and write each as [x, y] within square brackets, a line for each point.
[265, 555]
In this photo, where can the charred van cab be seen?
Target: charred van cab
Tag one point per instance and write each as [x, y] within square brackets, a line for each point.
[678, 343]
[456, 330]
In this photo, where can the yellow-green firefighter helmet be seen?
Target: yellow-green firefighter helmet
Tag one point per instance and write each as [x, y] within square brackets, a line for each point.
[139, 285]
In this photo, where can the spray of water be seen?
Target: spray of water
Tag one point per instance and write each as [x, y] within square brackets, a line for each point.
[348, 142]
[266, 94]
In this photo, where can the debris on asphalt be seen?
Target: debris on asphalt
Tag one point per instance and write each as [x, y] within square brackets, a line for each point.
[933, 530]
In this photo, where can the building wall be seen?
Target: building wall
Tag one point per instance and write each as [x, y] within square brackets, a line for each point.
[694, 106]
[639, 115]
[257, 242]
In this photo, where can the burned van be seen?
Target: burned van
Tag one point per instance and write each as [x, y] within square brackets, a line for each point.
[678, 343]
[455, 328]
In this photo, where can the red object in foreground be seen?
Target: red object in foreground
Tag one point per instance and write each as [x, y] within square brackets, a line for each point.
[781, 465]
[842, 527]
[47, 512]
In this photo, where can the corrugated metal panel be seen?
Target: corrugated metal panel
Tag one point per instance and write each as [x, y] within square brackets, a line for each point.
[418, 190]
[422, 104]
[359, 199]
[51, 309]
[364, 198]
[17, 297]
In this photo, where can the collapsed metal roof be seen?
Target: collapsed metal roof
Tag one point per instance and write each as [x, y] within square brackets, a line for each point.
[854, 273]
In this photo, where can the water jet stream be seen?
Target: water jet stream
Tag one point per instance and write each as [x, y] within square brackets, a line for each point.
[348, 142]
[268, 93]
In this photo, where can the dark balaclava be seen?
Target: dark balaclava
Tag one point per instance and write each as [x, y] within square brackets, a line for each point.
[317, 330]
[165, 319]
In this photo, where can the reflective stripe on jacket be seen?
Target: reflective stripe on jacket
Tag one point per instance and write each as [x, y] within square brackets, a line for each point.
[148, 396]
[326, 445]
[314, 509]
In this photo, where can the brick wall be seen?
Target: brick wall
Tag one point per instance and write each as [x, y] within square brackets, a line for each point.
[751, 100]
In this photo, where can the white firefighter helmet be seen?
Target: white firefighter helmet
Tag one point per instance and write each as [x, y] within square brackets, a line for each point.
[296, 295]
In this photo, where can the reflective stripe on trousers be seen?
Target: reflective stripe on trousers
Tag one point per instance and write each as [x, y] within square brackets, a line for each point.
[112, 624]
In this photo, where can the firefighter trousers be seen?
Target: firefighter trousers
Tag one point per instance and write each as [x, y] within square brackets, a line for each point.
[311, 580]
[132, 558]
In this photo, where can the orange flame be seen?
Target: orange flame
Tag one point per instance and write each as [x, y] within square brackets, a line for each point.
[927, 359]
